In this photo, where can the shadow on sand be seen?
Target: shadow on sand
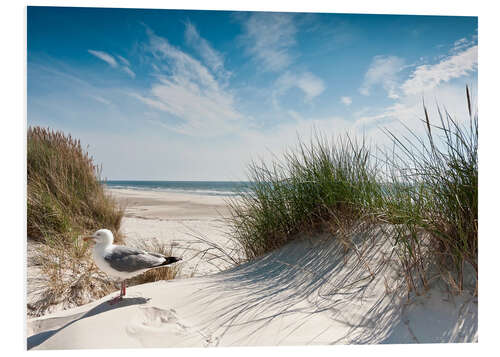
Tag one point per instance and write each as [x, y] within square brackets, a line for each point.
[38, 338]
[303, 278]
[356, 292]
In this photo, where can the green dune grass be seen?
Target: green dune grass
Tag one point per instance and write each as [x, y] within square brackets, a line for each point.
[425, 190]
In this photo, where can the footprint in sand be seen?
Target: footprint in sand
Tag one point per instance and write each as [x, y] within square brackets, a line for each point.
[155, 327]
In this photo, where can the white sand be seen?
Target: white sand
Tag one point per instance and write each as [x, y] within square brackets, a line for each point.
[307, 293]
[190, 222]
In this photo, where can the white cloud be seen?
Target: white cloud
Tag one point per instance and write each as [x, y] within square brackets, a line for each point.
[308, 83]
[109, 59]
[428, 77]
[404, 117]
[295, 115]
[383, 71]
[189, 92]
[346, 100]
[428, 84]
[268, 145]
[100, 99]
[459, 44]
[105, 57]
[128, 71]
[268, 37]
[213, 59]
[124, 60]
[178, 63]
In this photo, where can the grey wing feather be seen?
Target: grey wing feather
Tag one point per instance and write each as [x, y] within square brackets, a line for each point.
[127, 259]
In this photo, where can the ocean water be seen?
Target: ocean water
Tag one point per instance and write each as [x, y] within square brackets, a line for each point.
[210, 188]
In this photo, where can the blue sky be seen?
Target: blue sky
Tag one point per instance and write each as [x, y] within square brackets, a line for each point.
[196, 95]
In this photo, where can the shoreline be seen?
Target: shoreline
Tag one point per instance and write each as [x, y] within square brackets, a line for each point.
[197, 188]
[167, 205]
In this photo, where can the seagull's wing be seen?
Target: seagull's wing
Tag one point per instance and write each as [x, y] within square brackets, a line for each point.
[127, 259]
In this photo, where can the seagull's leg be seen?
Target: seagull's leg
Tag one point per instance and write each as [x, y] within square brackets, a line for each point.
[120, 297]
[124, 285]
[115, 300]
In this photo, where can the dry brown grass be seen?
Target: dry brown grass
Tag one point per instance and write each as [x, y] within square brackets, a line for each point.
[65, 195]
[65, 201]
[165, 273]
[66, 277]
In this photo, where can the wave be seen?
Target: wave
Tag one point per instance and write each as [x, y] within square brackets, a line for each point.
[227, 191]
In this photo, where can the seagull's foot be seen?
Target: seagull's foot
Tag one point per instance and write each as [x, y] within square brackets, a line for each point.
[115, 300]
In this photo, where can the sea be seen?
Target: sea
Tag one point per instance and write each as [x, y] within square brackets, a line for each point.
[209, 188]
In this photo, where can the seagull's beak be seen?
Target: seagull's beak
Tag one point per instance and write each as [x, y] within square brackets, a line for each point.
[89, 238]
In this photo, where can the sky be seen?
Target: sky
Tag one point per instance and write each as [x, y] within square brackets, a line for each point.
[198, 95]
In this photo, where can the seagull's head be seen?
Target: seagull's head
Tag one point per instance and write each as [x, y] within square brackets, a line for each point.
[102, 236]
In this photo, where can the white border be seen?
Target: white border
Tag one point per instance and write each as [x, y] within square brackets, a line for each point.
[421, 7]
[13, 185]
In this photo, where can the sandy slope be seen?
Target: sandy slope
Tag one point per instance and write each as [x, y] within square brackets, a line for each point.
[190, 223]
[308, 292]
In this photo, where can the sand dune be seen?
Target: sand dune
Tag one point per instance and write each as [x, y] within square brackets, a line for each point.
[307, 293]
[312, 291]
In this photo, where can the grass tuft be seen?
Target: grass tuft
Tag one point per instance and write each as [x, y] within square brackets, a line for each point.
[165, 273]
[425, 193]
[435, 205]
[65, 195]
[315, 184]
[65, 201]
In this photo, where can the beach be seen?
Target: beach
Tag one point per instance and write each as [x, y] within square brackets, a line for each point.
[250, 178]
[307, 293]
[191, 223]
[312, 291]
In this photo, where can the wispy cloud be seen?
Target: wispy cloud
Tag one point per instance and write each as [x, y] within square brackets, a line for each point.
[427, 77]
[268, 37]
[407, 113]
[383, 71]
[346, 100]
[429, 82]
[187, 90]
[128, 71]
[213, 59]
[106, 57]
[463, 44]
[123, 60]
[67, 80]
[100, 99]
[109, 59]
[308, 83]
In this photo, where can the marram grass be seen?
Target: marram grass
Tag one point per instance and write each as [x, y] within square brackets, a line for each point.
[436, 208]
[317, 183]
[65, 201]
[425, 189]
[65, 197]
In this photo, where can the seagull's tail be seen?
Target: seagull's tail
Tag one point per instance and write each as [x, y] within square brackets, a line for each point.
[170, 260]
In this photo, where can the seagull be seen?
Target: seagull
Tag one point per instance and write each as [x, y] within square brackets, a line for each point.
[121, 262]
